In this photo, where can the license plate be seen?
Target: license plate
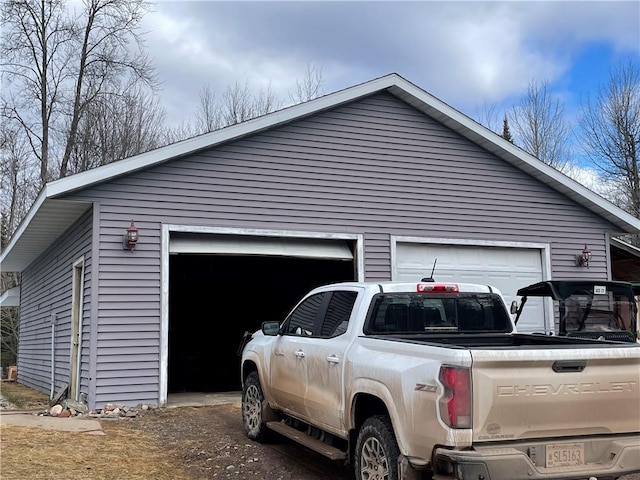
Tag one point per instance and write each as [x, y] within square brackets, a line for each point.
[565, 454]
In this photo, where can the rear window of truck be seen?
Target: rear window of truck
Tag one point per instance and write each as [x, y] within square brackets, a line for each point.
[401, 313]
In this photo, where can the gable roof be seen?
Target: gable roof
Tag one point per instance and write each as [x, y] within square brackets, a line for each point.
[49, 217]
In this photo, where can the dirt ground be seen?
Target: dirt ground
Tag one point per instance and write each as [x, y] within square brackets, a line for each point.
[185, 443]
[210, 442]
[174, 444]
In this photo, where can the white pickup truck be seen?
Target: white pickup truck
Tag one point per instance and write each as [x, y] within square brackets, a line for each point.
[431, 380]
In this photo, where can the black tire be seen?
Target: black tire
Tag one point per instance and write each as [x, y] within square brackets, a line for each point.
[252, 409]
[376, 455]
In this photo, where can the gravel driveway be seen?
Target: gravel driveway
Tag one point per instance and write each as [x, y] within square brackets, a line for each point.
[211, 442]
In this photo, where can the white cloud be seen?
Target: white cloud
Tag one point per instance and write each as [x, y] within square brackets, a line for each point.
[463, 52]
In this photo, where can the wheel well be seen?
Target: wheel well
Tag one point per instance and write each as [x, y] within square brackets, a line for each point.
[247, 368]
[364, 406]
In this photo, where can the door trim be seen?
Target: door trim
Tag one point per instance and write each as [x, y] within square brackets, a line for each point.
[165, 248]
[75, 347]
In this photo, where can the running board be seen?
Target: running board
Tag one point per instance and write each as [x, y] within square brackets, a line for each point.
[303, 439]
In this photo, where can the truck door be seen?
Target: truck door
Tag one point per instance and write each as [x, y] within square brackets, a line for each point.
[289, 361]
[325, 361]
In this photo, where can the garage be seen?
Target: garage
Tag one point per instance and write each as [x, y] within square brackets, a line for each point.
[223, 285]
[164, 259]
[506, 266]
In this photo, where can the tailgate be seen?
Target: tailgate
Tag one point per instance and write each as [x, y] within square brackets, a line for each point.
[520, 394]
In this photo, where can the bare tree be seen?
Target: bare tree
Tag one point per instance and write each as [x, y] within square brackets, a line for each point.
[239, 104]
[9, 323]
[309, 87]
[208, 115]
[9, 320]
[58, 61]
[18, 178]
[610, 124]
[19, 182]
[539, 126]
[36, 54]
[487, 115]
[128, 124]
[181, 131]
[265, 101]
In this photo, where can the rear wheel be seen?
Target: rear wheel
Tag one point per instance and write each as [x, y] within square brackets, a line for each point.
[252, 409]
[376, 456]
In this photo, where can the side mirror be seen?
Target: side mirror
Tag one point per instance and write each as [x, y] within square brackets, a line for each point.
[270, 328]
[514, 307]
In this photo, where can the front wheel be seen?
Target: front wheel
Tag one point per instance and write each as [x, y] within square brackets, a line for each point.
[376, 456]
[252, 409]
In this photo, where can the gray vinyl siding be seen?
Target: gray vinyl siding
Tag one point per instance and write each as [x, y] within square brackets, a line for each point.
[46, 289]
[375, 167]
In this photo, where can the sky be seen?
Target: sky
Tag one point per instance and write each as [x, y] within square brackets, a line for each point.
[469, 54]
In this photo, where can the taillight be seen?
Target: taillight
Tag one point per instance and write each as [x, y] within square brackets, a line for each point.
[437, 288]
[455, 404]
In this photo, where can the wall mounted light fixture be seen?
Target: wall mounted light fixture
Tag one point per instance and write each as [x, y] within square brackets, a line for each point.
[583, 259]
[131, 237]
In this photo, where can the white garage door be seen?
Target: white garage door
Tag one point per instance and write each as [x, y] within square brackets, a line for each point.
[505, 268]
[256, 245]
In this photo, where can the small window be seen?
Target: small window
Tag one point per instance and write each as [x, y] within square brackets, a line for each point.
[339, 310]
[482, 312]
[417, 313]
[302, 319]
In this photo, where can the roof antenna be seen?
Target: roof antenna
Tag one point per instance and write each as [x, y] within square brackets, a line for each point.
[430, 279]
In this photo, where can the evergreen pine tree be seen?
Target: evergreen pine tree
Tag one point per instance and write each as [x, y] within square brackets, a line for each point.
[506, 133]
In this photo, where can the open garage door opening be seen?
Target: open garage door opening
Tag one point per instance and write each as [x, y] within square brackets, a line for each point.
[215, 298]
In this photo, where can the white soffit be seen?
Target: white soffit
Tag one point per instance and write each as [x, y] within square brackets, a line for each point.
[47, 220]
[10, 298]
[267, 246]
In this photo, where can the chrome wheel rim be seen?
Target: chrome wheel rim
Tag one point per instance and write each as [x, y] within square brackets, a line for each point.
[373, 461]
[252, 408]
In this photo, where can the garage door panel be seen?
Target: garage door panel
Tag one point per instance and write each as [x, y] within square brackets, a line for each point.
[257, 245]
[505, 268]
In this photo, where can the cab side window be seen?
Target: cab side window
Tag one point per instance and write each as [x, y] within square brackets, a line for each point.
[336, 319]
[303, 319]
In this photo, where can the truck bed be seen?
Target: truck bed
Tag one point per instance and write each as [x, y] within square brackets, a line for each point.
[537, 386]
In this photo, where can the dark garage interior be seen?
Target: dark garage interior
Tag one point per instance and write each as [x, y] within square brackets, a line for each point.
[214, 299]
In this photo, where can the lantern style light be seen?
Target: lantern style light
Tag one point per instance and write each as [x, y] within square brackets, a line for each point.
[131, 237]
[583, 259]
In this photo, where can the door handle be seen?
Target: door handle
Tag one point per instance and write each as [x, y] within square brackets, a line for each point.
[333, 359]
[562, 366]
[300, 353]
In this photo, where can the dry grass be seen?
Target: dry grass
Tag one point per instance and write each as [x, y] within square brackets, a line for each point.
[28, 453]
[23, 397]
[33, 453]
